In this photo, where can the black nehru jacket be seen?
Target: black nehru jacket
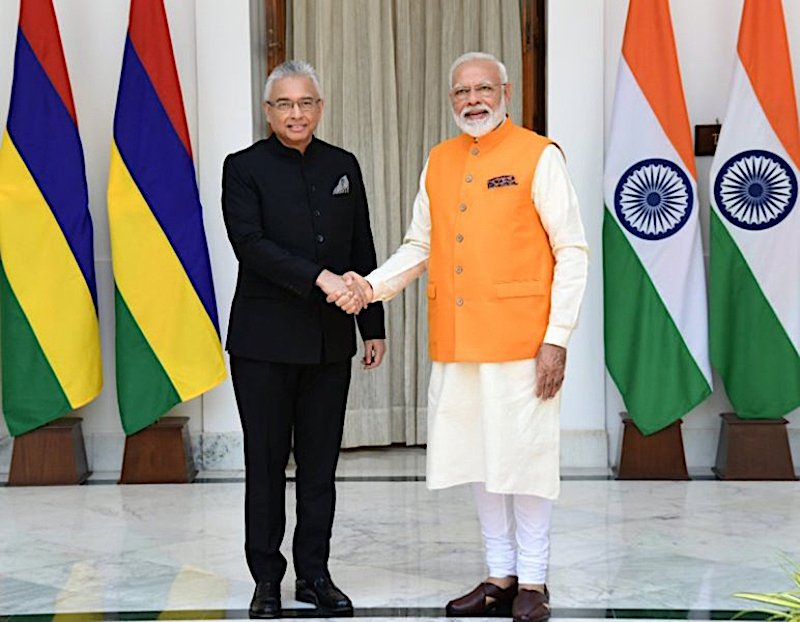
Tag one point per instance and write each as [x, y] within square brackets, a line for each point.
[289, 216]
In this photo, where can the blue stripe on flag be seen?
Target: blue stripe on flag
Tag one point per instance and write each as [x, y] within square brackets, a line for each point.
[48, 142]
[163, 172]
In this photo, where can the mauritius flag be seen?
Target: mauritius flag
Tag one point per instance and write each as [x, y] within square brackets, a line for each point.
[755, 224]
[49, 327]
[167, 334]
[656, 320]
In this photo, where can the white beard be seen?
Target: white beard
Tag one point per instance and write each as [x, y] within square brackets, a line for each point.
[477, 129]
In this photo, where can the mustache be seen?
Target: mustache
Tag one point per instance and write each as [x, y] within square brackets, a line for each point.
[470, 109]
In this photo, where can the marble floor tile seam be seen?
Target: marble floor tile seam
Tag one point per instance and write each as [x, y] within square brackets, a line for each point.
[387, 613]
[110, 479]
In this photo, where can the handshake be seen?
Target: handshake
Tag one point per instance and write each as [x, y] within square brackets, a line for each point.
[351, 292]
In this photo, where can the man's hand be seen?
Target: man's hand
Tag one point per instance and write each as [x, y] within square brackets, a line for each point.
[550, 370]
[351, 300]
[360, 293]
[374, 350]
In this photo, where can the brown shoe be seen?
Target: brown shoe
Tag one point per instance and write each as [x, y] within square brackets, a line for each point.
[474, 603]
[531, 606]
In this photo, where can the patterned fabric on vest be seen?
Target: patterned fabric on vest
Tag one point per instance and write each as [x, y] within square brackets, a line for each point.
[491, 266]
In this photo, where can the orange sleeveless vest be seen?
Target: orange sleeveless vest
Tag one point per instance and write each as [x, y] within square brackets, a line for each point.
[491, 266]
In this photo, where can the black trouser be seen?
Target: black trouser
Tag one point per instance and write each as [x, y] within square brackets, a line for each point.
[273, 400]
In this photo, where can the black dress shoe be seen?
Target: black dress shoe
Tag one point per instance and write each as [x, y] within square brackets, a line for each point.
[266, 601]
[324, 594]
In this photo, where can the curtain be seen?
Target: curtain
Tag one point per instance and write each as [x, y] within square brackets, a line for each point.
[383, 66]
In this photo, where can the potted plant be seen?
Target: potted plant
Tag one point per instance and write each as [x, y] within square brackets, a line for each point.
[783, 605]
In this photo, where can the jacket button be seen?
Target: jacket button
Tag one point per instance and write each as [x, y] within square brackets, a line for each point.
[475, 151]
[462, 207]
[313, 188]
[459, 238]
[320, 238]
[317, 213]
[459, 269]
[460, 302]
[469, 178]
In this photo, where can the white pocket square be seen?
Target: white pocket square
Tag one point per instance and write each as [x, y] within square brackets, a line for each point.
[343, 187]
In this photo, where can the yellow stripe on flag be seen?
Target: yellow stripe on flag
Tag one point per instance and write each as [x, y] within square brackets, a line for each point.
[157, 291]
[47, 281]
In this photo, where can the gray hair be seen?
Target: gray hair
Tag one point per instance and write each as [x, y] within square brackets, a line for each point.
[291, 68]
[470, 56]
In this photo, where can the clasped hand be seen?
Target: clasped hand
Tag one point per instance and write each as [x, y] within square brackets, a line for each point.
[351, 292]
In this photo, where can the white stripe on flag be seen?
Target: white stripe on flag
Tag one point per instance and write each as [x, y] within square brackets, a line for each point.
[674, 264]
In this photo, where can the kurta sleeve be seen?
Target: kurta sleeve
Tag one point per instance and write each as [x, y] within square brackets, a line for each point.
[362, 260]
[411, 258]
[557, 204]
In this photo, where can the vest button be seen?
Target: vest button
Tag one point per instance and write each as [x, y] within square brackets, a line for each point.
[459, 269]
[469, 178]
[475, 151]
[459, 238]
[462, 207]
[320, 238]
[460, 302]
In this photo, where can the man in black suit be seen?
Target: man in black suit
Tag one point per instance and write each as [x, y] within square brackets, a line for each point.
[296, 214]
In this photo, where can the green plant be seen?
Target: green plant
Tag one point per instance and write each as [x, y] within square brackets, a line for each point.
[784, 605]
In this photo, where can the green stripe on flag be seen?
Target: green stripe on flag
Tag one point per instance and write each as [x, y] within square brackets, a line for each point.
[749, 347]
[645, 353]
[144, 390]
[32, 395]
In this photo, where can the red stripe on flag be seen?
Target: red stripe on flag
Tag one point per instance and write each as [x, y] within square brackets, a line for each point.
[149, 33]
[37, 20]
[764, 50]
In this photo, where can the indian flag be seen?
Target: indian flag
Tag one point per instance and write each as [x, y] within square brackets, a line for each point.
[755, 224]
[656, 322]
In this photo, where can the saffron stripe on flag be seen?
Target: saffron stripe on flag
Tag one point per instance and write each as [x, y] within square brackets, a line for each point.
[163, 171]
[42, 272]
[649, 28]
[47, 140]
[177, 327]
[764, 51]
[656, 327]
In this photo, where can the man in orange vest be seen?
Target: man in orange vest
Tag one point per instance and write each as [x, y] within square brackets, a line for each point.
[496, 223]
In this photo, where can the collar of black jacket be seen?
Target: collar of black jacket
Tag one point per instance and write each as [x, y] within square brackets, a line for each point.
[277, 147]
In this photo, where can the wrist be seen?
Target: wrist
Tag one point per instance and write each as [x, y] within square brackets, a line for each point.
[322, 277]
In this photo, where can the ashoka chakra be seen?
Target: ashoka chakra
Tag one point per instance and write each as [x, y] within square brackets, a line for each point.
[755, 189]
[653, 199]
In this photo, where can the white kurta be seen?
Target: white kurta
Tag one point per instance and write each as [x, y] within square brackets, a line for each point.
[485, 423]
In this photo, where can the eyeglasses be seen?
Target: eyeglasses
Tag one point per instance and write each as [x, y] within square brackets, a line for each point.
[483, 91]
[307, 104]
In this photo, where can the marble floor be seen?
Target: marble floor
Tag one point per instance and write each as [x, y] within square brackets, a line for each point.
[650, 550]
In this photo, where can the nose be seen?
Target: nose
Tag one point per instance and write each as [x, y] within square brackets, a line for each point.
[473, 98]
[296, 113]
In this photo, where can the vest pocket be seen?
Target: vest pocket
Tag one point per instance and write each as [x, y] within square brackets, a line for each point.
[431, 290]
[519, 289]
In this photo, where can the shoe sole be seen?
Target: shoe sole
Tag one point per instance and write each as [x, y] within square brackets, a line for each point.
[503, 610]
[264, 616]
[308, 596]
